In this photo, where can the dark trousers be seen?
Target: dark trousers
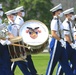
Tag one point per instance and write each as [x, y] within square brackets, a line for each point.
[27, 68]
[5, 63]
[71, 56]
[58, 54]
[60, 71]
[31, 65]
[23, 67]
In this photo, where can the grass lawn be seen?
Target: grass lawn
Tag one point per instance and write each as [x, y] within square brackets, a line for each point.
[40, 62]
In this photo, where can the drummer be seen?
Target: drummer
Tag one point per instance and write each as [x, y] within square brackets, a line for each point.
[19, 21]
[5, 63]
[12, 33]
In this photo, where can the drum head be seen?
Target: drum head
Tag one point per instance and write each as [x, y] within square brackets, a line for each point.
[34, 32]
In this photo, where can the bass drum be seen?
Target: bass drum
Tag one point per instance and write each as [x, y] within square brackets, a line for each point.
[35, 35]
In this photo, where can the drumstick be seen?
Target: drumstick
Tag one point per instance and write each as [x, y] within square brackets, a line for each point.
[20, 45]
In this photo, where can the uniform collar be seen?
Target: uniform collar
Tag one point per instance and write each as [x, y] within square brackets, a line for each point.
[55, 17]
[67, 20]
[19, 17]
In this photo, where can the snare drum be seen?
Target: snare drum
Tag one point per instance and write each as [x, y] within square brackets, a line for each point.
[34, 34]
[17, 50]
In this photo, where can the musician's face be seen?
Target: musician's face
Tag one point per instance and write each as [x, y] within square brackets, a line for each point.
[71, 16]
[19, 14]
[60, 11]
[10, 17]
[57, 13]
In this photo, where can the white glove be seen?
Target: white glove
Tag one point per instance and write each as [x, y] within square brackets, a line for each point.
[63, 43]
[8, 42]
[3, 42]
[7, 37]
[73, 45]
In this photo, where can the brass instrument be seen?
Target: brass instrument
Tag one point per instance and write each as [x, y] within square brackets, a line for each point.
[3, 29]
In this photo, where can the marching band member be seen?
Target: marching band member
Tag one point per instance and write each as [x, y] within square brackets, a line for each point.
[20, 14]
[69, 38]
[13, 29]
[5, 63]
[74, 70]
[75, 28]
[58, 45]
[19, 21]
[11, 17]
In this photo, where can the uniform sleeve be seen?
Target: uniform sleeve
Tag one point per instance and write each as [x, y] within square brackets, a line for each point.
[9, 28]
[19, 21]
[14, 31]
[53, 25]
[66, 29]
[74, 31]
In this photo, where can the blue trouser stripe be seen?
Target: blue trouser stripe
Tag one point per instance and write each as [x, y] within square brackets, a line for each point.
[49, 68]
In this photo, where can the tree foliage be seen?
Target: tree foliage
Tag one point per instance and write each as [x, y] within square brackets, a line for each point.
[34, 9]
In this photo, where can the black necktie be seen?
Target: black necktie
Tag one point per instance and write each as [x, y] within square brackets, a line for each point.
[59, 27]
[71, 31]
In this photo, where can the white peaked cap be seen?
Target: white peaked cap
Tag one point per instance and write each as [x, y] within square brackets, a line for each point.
[75, 16]
[68, 11]
[18, 9]
[10, 12]
[56, 8]
[0, 6]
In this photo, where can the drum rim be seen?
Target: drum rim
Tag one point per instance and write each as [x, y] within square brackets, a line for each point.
[31, 20]
[16, 39]
[18, 59]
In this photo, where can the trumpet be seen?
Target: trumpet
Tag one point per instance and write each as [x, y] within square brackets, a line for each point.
[3, 29]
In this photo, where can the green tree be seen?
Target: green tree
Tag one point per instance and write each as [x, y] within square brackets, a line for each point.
[38, 9]
[35, 9]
